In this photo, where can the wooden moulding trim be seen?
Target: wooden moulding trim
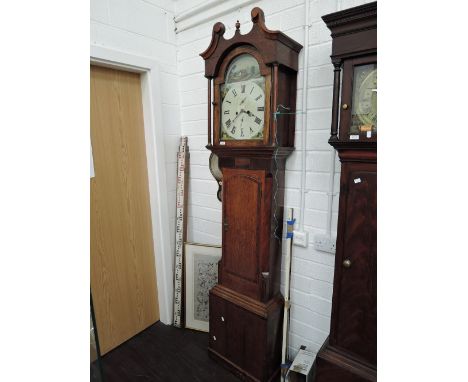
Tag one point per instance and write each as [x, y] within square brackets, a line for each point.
[237, 370]
[216, 35]
[254, 306]
[343, 56]
[353, 145]
[219, 46]
[258, 19]
[230, 365]
[257, 152]
[370, 155]
[334, 356]
[351, 15]
[366, 156]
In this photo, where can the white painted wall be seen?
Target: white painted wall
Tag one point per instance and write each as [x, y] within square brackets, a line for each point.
[312, 271]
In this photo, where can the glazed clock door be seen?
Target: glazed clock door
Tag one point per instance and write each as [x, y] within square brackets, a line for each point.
[356, 316]
[242, 99]
[243, 229]
[358, 118]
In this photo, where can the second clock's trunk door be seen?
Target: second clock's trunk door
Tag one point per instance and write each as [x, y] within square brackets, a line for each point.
[242, 190]
[356, 316]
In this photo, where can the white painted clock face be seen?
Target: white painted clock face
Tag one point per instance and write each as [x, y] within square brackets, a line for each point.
[243, 111]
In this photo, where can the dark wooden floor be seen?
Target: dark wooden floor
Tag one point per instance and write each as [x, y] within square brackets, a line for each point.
[163, 353]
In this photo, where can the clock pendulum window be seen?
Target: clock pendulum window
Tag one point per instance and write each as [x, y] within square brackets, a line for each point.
[249, 76]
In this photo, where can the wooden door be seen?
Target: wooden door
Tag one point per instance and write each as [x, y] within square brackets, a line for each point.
[356, 318]
[123, 274]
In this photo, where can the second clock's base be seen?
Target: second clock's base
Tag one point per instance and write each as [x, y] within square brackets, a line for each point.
[333, 366]
[245, 334]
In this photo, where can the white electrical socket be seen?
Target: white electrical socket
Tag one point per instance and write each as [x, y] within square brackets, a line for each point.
[325, 243]
[301, 239]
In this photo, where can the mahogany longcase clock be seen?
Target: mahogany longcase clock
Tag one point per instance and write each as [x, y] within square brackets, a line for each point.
[250, 76]
[350, 352]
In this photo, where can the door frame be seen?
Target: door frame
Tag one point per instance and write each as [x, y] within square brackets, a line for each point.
[156, 163]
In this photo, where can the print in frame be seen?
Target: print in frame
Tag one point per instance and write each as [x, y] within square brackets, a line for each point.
[201, 274]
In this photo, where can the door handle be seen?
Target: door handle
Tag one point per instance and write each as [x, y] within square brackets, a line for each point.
[347, 263]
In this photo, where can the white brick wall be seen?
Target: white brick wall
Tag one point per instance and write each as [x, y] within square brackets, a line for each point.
[312, 271]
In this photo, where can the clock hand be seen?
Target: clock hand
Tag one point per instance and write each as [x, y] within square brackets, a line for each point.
[238, 115]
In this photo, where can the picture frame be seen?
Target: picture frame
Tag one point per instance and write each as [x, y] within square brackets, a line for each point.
[201, 274]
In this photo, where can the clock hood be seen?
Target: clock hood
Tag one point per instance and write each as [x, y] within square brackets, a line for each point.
[275, 46]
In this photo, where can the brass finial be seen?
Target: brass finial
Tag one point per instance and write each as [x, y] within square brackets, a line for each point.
[237, 25]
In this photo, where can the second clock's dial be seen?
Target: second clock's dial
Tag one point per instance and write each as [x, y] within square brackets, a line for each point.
[243, 111]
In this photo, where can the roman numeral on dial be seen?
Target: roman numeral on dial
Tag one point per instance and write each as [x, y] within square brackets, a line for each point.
[260, 108]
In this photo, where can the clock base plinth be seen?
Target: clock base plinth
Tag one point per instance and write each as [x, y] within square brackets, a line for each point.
[332, 365]
[236, 370]
[245, 334]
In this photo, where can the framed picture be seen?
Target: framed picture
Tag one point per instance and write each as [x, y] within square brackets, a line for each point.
[201, 274]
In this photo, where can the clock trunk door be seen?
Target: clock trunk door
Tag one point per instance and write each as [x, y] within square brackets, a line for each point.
[356, 310]
[242, 230]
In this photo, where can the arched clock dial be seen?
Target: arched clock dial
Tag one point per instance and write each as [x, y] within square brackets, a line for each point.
[243, 111]
[243, 100]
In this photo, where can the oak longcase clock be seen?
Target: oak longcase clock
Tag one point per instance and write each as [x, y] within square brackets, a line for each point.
[350, 352]
[249, 77]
